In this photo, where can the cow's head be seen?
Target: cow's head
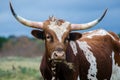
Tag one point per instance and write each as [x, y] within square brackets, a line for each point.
[56, 33]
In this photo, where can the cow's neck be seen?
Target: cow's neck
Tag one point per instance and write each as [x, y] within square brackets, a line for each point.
[53, 69]
[51, 66]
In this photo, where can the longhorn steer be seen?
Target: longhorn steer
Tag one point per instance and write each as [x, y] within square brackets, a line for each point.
[93, 55]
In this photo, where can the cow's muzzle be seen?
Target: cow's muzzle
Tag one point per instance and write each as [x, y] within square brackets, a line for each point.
[58, 55]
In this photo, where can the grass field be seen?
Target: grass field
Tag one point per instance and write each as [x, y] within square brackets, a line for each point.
[19, 68]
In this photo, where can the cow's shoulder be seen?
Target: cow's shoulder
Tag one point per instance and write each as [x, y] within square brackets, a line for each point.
[99, 33]
[98, 40]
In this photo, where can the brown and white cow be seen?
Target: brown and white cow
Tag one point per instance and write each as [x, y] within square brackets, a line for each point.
[93, 55]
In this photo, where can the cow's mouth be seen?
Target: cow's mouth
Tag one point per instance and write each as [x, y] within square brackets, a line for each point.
[57, 60]
[63, 61]
[59, 57]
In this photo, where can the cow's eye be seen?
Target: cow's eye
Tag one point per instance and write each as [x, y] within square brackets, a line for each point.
[49, 38]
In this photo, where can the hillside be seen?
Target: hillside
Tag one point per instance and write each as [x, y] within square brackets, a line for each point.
[21, 46]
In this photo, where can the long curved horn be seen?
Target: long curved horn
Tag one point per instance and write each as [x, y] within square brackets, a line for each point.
[87, 25]
[26, 22]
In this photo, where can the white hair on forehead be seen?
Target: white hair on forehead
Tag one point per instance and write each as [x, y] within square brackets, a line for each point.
[52, 18]
[59, 29]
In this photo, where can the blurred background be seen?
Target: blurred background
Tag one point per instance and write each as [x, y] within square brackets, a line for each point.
[20, 53]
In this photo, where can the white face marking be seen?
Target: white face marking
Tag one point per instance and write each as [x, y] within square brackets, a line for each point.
[92, 72]
[115, 69]
[74, 47]
[99, 32]
[59, 30]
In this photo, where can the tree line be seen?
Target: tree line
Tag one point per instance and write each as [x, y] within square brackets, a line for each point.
[4, 39]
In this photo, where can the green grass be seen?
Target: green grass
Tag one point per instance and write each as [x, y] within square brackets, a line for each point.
[19, 68]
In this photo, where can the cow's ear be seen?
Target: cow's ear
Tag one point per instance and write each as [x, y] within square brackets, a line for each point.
[74, 36]
[38, 34]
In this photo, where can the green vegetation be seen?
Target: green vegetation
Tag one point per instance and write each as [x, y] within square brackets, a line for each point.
[2, 41]
[19, 68]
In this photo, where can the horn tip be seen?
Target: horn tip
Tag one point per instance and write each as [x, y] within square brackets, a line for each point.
[106, 9]
[10, 3]
[11, 8]
[103, 15]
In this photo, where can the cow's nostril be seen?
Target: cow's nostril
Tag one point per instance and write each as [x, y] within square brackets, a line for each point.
[58, 55]
[55, 54]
